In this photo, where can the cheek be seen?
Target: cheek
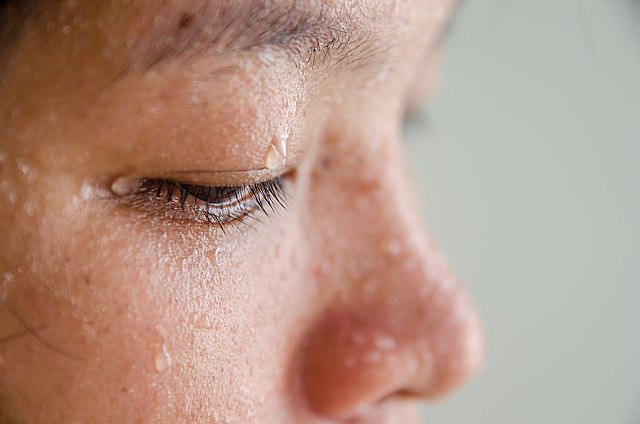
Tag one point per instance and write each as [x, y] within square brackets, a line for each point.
[124, 318]
[88, 342]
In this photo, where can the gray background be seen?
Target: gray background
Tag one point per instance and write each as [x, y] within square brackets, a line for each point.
[529, 160]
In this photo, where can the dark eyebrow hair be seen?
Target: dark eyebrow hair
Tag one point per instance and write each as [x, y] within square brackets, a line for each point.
[310, 32]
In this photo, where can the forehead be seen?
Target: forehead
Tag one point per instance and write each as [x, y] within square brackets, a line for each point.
[152, 31]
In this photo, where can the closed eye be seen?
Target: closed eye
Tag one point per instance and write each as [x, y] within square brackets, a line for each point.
[219, 205]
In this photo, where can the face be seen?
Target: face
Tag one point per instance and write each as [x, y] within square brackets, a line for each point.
[205, 216]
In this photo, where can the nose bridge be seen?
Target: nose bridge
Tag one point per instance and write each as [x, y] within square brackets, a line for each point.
[397, 321]
[375, 233]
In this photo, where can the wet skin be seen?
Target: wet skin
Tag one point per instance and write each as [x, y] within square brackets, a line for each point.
[307, 291]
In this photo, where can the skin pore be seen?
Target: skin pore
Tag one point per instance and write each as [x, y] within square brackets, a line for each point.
[206, 217]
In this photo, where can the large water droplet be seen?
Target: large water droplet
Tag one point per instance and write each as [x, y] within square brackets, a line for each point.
[277, 152]
[162, 359]
[125, 185]
[280, 143]
[273, 160]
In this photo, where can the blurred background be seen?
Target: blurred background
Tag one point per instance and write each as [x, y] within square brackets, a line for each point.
[529, 159]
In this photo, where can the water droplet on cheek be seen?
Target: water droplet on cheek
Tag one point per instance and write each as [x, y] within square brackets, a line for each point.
[162, 359]
[202, 322]
[214, 256]
[29, 209]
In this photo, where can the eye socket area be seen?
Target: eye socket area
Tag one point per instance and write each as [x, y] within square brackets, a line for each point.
[212, 204]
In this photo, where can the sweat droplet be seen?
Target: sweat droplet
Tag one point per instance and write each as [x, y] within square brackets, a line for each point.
[274, 160]
[385, 342]
[163, 360]
[125, 185]
[280, 143]
[203, 322]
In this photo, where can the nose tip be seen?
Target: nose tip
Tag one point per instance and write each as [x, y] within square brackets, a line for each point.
[357, 357]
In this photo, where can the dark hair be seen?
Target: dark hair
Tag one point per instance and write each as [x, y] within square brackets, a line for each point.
[13, 14]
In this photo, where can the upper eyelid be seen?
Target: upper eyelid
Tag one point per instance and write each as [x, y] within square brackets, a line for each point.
[231, 178]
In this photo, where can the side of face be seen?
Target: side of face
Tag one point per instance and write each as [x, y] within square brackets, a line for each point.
[327, 303]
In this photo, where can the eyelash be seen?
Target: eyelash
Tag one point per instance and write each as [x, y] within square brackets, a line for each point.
[218, 205]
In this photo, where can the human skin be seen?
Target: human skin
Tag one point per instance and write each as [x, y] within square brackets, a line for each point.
[119, 307]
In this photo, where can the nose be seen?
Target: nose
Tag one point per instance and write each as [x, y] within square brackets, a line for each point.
[394, 322]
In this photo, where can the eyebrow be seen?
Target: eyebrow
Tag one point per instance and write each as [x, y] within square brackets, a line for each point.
[310, 32]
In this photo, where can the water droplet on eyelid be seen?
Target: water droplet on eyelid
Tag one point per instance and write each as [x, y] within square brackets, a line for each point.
[274, 160]
[124, 185]
[162, 359]
[280, 143]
